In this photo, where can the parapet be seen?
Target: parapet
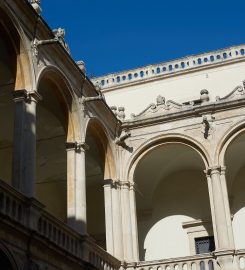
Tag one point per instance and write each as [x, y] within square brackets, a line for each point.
[170, 67]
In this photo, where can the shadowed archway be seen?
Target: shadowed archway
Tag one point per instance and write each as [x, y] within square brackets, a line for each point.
[99, 167]
[54, 129]
[172, 201]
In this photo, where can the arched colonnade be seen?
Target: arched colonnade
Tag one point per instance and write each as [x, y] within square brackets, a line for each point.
[43, 130]
[184, 195]
[42, 140]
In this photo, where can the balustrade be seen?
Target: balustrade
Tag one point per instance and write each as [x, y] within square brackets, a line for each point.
[198, 262]
[170, 67]
[29, 213]
[240, 259]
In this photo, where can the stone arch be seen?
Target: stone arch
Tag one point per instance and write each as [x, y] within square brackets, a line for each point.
[66, 97]
[233, 132]
[100, 166]
[23, 67]
[171, 191]
[163, 139]
[7, 260]
[57, 122]
[15, 74]
[229, 154]
[101, 134]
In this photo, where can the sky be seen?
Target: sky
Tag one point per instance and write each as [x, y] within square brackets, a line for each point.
[114, 35]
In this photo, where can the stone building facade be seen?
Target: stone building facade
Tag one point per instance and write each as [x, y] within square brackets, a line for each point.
[141, 169]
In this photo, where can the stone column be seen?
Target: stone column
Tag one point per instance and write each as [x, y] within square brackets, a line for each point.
[221, 217]
[126, 222]
[117, 220]
[76, 186]
[24, 144]
[227, 206]
[108, 216]
[133, 215]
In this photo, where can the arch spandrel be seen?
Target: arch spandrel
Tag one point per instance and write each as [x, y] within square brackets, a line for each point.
[153, 143]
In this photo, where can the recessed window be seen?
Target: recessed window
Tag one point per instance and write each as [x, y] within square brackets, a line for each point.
[204, 244]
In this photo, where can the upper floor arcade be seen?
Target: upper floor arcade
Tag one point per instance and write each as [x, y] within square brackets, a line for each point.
[69, 168]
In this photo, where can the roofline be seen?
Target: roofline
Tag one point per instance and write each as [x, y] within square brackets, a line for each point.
[172, 67]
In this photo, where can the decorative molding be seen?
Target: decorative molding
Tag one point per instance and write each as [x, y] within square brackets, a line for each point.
[76, 146]
[235, 94]
[162, 107]
[119, 184]
[159, 108]
[26, 96]
[213, 170]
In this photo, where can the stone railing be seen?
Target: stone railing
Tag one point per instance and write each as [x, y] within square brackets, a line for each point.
[30, 214]
[166, 68]
[240, 259]
[198, 262]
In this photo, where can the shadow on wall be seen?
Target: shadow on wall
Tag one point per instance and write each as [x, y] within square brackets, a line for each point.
[180, 197]
[6, 260]
[238, 209]
[8, 73]
[78, 225]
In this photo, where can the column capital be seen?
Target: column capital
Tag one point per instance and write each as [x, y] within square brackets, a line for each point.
[222, 170]
[76, 146]
[214, 170]
[126, 184]
[27, 96]
[108, 182]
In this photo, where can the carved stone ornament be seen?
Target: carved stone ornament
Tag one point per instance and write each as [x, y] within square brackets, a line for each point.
[121, 139]
[161, 107]
[60, 35]
[121, 113]
[114, 109]
[204, 97]
[160, 100]
[237, 93]
[208, 125]
[81, 65]
[36, 5]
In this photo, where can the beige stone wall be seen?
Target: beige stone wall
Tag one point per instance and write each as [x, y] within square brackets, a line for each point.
[219, 81]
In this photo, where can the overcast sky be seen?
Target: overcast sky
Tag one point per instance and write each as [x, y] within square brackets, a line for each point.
[114, 35]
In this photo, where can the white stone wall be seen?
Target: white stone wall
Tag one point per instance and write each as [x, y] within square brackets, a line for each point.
[219, 81]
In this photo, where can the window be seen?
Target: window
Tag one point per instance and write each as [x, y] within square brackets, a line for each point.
[204, 244]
